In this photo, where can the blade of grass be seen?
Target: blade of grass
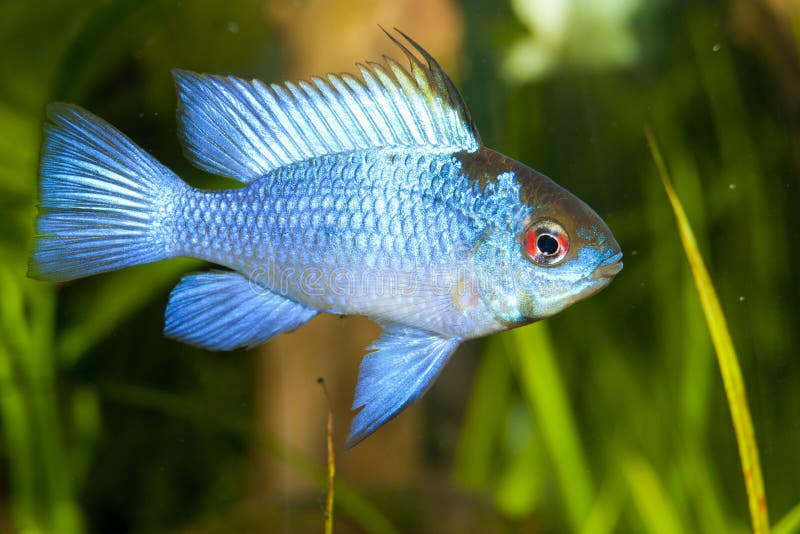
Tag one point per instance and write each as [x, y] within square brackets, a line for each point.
[544, 390]
[43, 493]
[648, 494]
[523, 474]
[605, 513]
[476, 455]
[18, 445]
[331, 462]
[726, 355]
[790, 522]
[706, 500]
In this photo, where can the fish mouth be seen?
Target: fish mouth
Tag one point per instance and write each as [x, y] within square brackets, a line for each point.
[609, 267]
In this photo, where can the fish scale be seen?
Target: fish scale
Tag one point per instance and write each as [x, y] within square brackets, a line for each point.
[370, 196]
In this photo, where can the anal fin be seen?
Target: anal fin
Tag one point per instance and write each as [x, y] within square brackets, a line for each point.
[222, 310]
[404, 363]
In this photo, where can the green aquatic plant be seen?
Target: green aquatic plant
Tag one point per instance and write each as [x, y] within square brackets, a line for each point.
[608, 418]
[726, 354]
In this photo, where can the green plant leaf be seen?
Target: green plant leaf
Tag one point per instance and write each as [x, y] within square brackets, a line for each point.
[726, 354]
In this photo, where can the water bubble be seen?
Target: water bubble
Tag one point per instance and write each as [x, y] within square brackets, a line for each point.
[233, 27]
[717, 47]
[731, 186]
[741, 298]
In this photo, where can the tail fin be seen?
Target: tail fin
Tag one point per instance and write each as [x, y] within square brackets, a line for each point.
[102, 199]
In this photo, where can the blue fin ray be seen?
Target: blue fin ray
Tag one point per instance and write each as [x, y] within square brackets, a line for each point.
[244, 129]
[100, 199]
[404, 363]
[221, 310]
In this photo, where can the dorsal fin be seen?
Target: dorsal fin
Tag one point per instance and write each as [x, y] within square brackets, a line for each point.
[244, 129]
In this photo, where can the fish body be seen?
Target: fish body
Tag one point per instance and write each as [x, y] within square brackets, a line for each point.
[362, 197]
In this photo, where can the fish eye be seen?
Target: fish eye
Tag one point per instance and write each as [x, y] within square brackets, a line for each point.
[546, 243]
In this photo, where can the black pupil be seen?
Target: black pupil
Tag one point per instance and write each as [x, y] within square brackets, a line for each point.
[547, 244]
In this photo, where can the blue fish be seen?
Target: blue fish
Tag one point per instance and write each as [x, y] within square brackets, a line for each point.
[363, 195]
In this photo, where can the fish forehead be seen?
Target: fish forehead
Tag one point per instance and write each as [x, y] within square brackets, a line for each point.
[485, 165]
[538, 193]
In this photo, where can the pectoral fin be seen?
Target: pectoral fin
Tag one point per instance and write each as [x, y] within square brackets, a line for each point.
[222, 310]
[403, 364]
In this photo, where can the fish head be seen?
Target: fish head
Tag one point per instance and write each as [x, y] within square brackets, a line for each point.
[547, 255]
[566, 254]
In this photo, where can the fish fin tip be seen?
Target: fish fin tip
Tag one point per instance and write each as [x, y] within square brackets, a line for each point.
[34, 272]
[182, 77]
[400, 367]
[210, 120]
[179, 78]
[403, 48]
[53, 110]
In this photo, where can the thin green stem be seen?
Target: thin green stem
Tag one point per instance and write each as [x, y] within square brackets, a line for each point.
[726, 355]
[547, 397]
[790, 523]
[331, 463]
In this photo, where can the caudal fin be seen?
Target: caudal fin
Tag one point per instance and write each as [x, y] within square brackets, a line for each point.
[102, 199]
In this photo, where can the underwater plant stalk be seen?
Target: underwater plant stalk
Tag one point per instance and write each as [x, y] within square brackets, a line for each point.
[726, 354]
[331, 462]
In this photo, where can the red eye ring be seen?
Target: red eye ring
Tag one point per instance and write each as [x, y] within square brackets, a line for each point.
[546, 243]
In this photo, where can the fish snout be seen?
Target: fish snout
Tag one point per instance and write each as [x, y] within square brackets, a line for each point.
[609, 267]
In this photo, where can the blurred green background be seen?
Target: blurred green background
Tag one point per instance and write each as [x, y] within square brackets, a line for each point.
[610, 417]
